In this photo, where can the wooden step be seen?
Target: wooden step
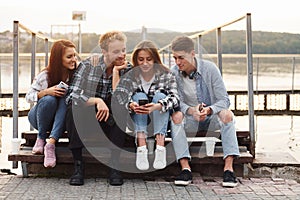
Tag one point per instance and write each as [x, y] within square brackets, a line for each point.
[200, 162]
[64, 156]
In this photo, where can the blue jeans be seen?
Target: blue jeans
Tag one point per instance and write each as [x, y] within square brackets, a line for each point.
[212, 123]
[159, 119]
[48, 115]
[160, 124]
[179, 141]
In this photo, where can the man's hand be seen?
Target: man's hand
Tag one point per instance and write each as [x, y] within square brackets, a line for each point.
[200, 112]
[102, 111]
[117, 68]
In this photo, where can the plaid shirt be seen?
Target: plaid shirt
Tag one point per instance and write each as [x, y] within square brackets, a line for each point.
[91, 81]
[164, 82]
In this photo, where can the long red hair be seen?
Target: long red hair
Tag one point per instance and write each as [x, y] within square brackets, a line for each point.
[55, 68]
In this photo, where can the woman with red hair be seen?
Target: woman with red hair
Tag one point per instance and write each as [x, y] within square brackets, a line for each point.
[47, 93]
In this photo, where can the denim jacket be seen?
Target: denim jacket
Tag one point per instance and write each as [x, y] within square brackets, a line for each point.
[219, 99]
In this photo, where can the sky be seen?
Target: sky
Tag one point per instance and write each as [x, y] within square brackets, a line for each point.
[181, 16]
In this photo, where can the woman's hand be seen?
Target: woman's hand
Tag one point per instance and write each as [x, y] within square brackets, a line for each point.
[53, 91]
[145, 109]
[94, 59]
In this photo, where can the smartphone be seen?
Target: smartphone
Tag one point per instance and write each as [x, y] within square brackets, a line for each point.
[63, 85]
[143, 102]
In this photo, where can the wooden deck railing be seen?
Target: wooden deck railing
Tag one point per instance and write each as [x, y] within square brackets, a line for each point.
[266, 102]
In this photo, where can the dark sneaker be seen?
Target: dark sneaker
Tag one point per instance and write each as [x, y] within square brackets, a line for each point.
[115, 178]
[229, 179]
[184, 178]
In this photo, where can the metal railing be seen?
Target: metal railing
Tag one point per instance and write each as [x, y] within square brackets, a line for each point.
[34, 36]
[16, 36]
[266, 102]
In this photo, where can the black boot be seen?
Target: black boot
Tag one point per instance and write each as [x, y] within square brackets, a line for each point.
[115, 177]
[77, 177]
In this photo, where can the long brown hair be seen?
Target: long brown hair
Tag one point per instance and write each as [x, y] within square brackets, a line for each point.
[55, 68]
[151, 48]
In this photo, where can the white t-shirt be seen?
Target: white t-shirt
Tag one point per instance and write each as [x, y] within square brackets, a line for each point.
[146, 84]
[190, 91]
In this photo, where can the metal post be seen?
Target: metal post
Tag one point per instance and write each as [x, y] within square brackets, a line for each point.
[257, 74]
[15, 81]
[0, 78]
[219, 50]
[170, 56]
[144, 33]
[199, 43]
[46, 51]
[163, 57]
[79, 39]
[293, 87]
[33, 58]
[250, 84]
[293, 74]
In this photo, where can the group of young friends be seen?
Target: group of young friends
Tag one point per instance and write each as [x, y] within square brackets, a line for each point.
[104, 89]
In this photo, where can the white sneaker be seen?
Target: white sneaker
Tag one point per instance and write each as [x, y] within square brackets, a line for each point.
[142, 158]
[160, 157]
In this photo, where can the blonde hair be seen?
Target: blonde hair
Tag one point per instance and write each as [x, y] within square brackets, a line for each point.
[111, 36]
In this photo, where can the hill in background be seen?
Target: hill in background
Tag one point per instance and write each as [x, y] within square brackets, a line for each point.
[233, 41]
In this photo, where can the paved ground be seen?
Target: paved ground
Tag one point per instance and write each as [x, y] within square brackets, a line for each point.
[16, 187]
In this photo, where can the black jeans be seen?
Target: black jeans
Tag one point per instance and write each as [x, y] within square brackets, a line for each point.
[83, 127]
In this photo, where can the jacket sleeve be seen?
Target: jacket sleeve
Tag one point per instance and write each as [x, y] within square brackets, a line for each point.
[39, 83]
[172, 99]
[220, 96]
[76, 92]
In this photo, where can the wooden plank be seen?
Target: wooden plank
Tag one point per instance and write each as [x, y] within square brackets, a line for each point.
[64, 156]
[32, 135]
[197, 139]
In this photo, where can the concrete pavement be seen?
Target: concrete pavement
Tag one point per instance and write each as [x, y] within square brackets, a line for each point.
[15, 187]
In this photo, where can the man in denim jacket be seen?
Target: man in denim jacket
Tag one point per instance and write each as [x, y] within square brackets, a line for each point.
[204, 101]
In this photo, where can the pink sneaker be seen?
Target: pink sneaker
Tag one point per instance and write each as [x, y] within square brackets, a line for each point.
[38, 147]
[50, 158]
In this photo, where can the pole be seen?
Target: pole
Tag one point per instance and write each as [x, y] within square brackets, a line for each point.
[79, 38]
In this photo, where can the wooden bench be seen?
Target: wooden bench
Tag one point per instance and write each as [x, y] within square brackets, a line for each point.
[200, 161]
